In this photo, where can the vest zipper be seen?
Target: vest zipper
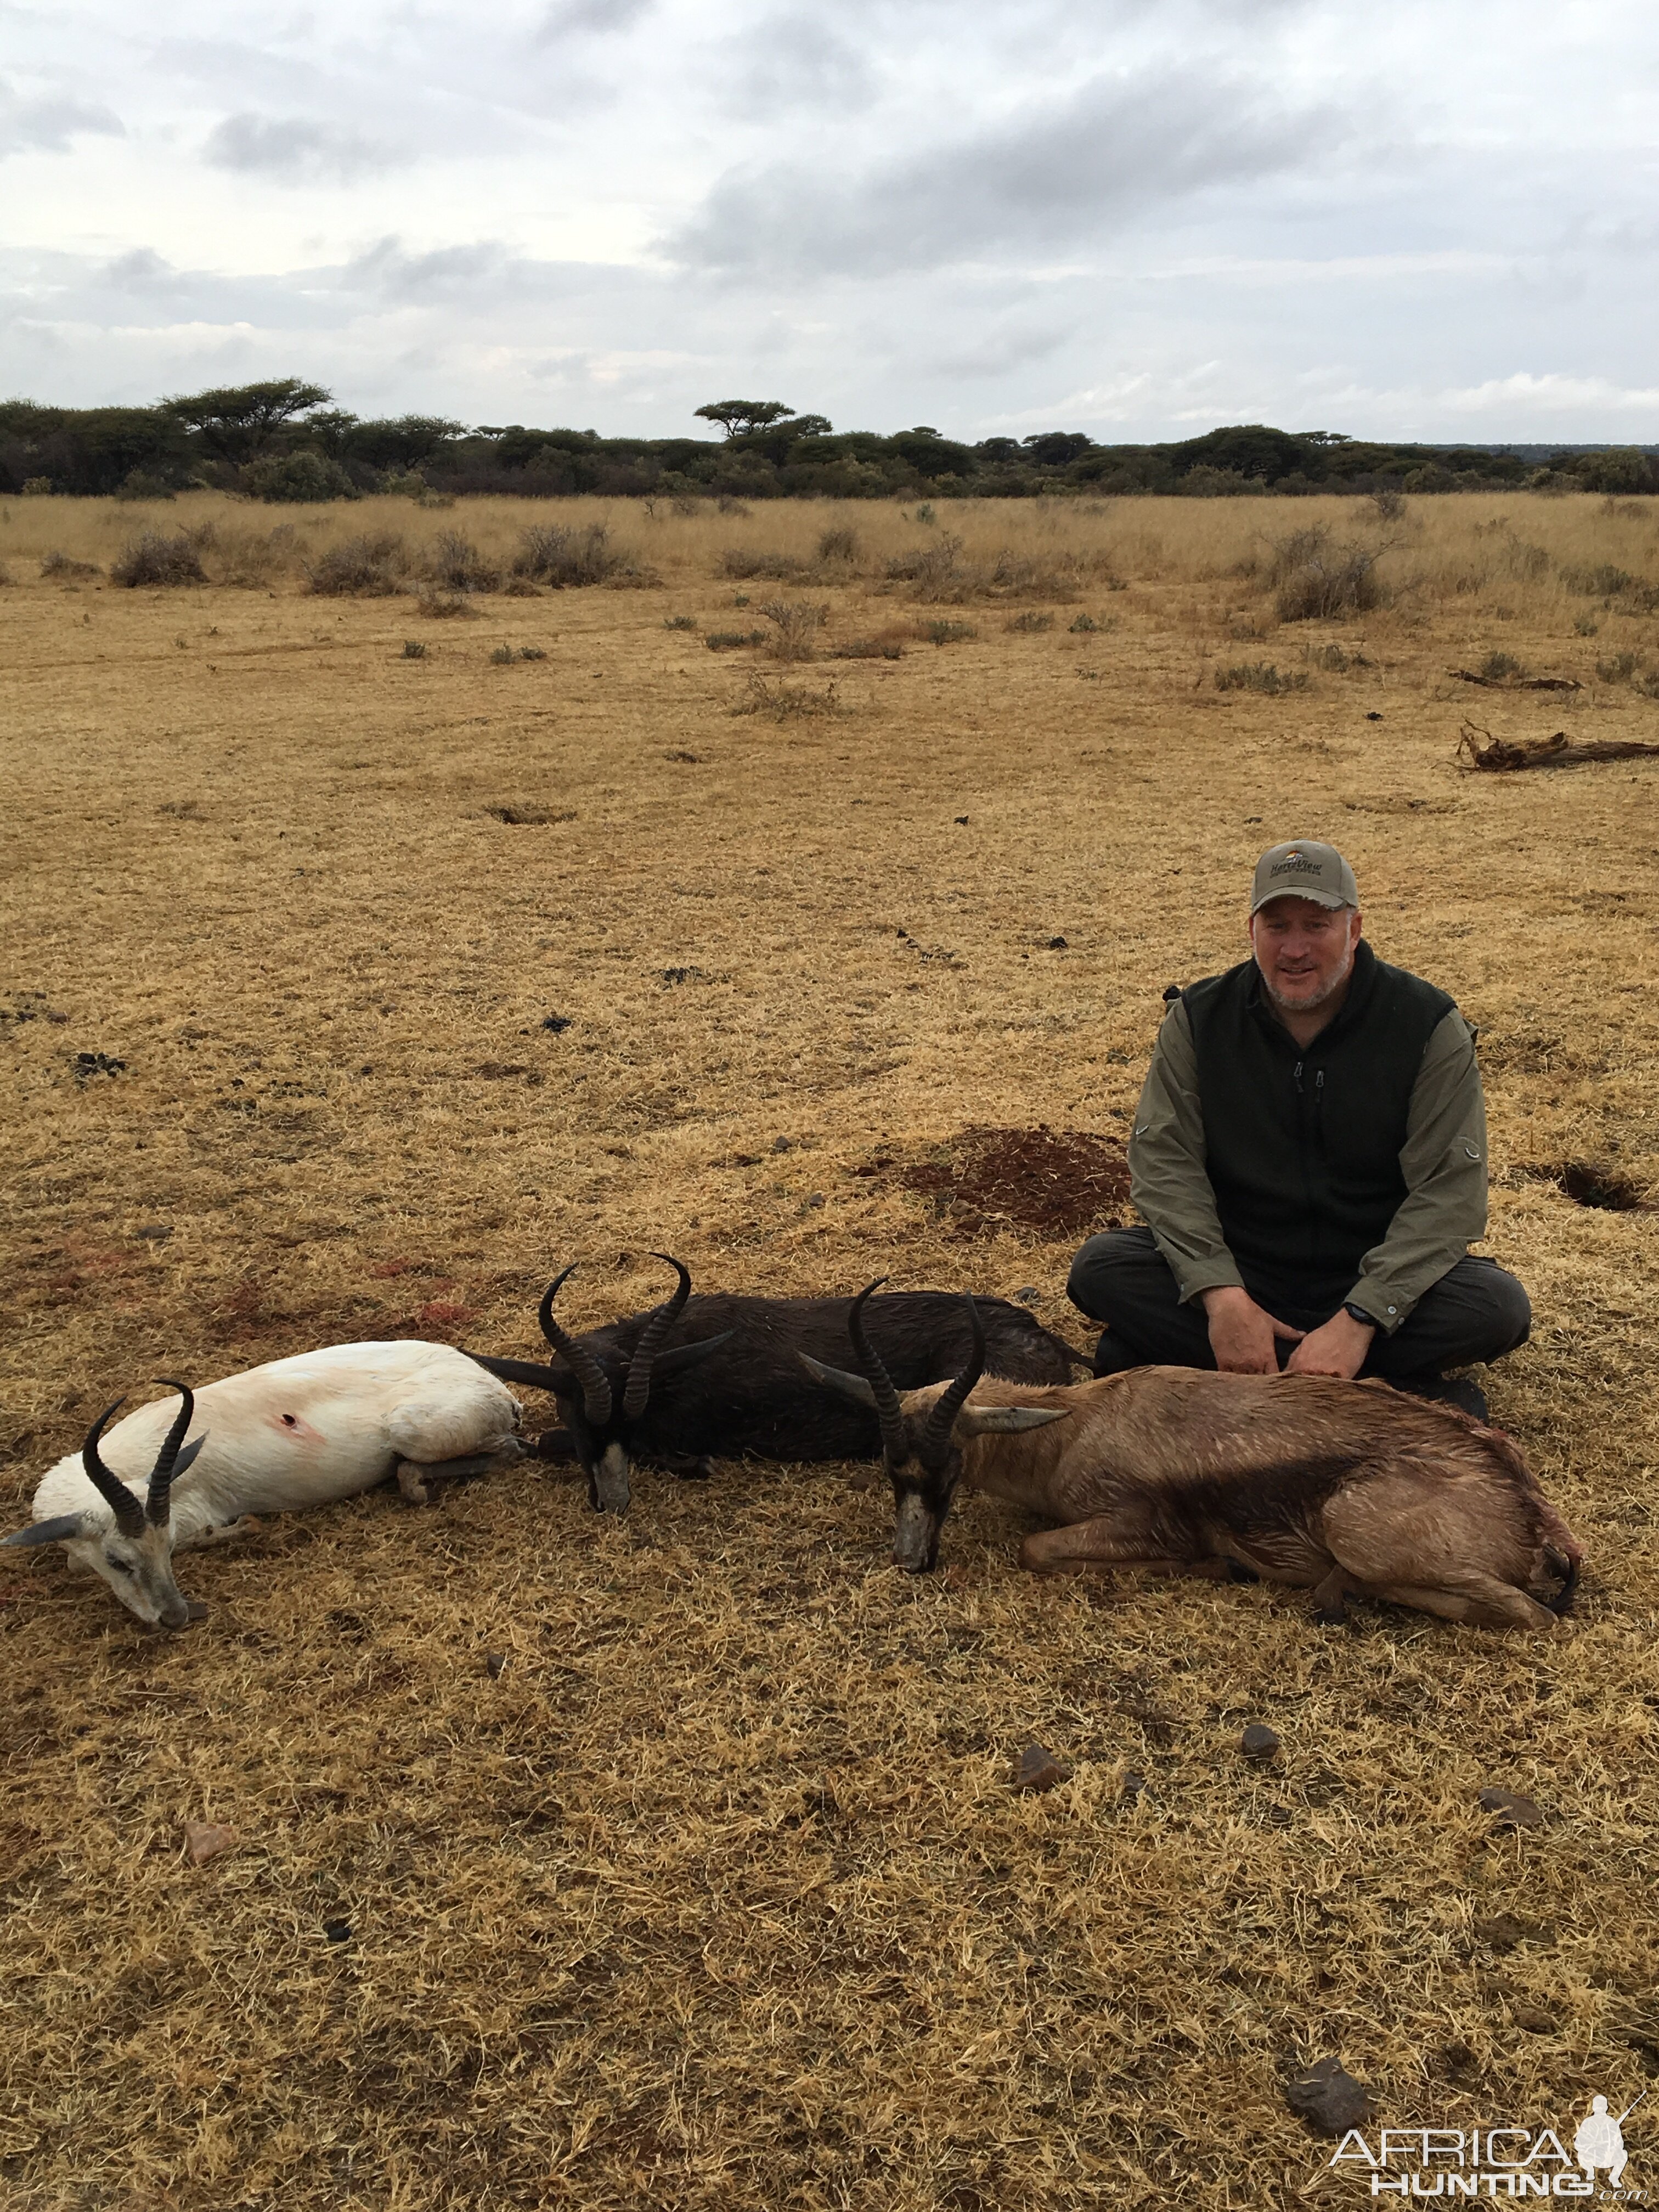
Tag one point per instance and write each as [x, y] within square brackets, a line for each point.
[1303, 1149]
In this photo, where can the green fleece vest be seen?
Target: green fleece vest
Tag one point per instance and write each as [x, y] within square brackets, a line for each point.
[1301, 1146]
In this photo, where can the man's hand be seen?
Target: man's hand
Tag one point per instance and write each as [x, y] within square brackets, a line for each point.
[1241, 1334]
[1337, 1347]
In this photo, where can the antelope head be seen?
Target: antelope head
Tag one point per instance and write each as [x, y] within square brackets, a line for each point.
[922, 1433]
[603, 1396]
[133, 1552]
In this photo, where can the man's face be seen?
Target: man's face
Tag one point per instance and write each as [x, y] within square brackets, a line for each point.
[1304, 950]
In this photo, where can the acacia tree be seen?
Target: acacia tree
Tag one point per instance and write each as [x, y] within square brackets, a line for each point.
[738, 417]
[237, 422]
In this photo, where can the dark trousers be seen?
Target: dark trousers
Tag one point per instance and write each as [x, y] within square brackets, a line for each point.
[1476, 1311]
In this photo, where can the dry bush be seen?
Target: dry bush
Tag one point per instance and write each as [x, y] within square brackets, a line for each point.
[454, 563]
[869, 648]
[838, 548]
[566, 558]
[1317, 579]
[1260, 676]
[786, 702]
[730, 640]
[744, 564]
[371, 567]
[250, 558]
[934, 568]
[159, 557]
[444, 606]
[59, 565]
[945, 633]
[795, 625]
[1030, 621]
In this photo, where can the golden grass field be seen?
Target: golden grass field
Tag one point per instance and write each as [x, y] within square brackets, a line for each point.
[716, 1893]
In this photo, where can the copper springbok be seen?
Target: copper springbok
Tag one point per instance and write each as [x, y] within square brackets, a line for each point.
[1345, 1489]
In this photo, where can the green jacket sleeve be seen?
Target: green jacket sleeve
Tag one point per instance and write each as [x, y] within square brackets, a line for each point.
[1443, 1161]
[1167, 1175]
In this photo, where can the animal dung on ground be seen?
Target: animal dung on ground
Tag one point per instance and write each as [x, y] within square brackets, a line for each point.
[1260, 1742]
[1510, 1809]
[1056, 1183]
[205, 1839]
[495, 1665]
[1502, 1931]
[89, 1064]
[338, 1931]
[556, 1023]
[1037, 1769]
[1328, 2098]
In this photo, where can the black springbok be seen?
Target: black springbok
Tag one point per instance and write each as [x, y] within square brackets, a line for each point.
[702, 1378]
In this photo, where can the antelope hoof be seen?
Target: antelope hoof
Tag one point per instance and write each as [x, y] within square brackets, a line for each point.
[411, 1484]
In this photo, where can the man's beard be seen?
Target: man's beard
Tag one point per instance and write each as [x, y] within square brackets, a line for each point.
[1323, 997]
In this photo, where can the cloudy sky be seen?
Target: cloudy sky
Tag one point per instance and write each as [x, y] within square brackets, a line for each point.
[1428, 218]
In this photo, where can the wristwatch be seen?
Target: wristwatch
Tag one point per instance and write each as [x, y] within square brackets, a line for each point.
[1358, 1314]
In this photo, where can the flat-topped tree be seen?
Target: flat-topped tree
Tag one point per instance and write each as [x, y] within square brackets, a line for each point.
[237, 422]
[738, 417]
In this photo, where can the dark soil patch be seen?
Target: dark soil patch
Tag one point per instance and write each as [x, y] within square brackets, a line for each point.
[1592, 1183]
[1054, 1183]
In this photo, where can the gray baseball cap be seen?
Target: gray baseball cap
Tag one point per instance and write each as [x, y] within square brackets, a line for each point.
[1305, 870]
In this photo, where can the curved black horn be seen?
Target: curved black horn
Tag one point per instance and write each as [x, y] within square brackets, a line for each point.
[895, 1443]
[596, 1383]
[129, 1513]
[934, 1442]
[159, 1503]
[651, 1339]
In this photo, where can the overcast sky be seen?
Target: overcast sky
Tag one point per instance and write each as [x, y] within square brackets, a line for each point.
[1414, 218]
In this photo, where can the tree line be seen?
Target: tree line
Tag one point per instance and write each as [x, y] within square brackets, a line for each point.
[285, 440]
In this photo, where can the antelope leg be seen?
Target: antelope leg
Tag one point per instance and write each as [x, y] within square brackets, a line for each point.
[245, 1524]
[1101, 1543]
[416, 1478]
[1480, 1600]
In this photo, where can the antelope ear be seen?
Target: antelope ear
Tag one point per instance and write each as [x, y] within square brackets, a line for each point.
[837, 1378]
[682, 1356]
[1007, 1420]
[189, 1456]
[559, 1380]
[56, 1531]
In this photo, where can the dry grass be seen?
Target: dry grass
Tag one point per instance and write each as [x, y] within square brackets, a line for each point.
[710, 1890]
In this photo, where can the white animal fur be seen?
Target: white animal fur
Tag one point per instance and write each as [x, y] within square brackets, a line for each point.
[294, 1433]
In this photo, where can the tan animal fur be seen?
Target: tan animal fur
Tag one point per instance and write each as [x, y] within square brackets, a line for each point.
[1339, 1487]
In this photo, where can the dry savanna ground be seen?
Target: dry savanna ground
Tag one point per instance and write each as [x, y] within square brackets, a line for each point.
[709, 1889]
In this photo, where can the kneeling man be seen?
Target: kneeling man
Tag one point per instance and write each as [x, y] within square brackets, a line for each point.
[1310, 1153]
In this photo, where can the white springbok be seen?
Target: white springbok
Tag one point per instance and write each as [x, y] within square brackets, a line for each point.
[274, 1439]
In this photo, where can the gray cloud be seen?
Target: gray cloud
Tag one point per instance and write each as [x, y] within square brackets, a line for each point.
[592, 18]
[295, 151]
[1053, 174]
[48, 125]
[794, 58]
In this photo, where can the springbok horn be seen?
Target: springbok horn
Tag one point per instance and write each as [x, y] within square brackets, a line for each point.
[596, 1383]
[934, 1442]
[129, 1513]
[895, 1443]
[651, 1337]
[159, 1503]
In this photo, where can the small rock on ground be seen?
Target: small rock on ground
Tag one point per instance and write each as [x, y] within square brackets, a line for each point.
[205, 1839]
[1510, 1809]
[1260, 1742]
[1038, 1769]
[1330, 2099]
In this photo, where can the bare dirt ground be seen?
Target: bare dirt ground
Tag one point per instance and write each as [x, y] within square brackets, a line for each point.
[710, 1889]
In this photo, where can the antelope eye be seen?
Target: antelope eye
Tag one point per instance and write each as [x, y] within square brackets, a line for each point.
[121, 1566]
